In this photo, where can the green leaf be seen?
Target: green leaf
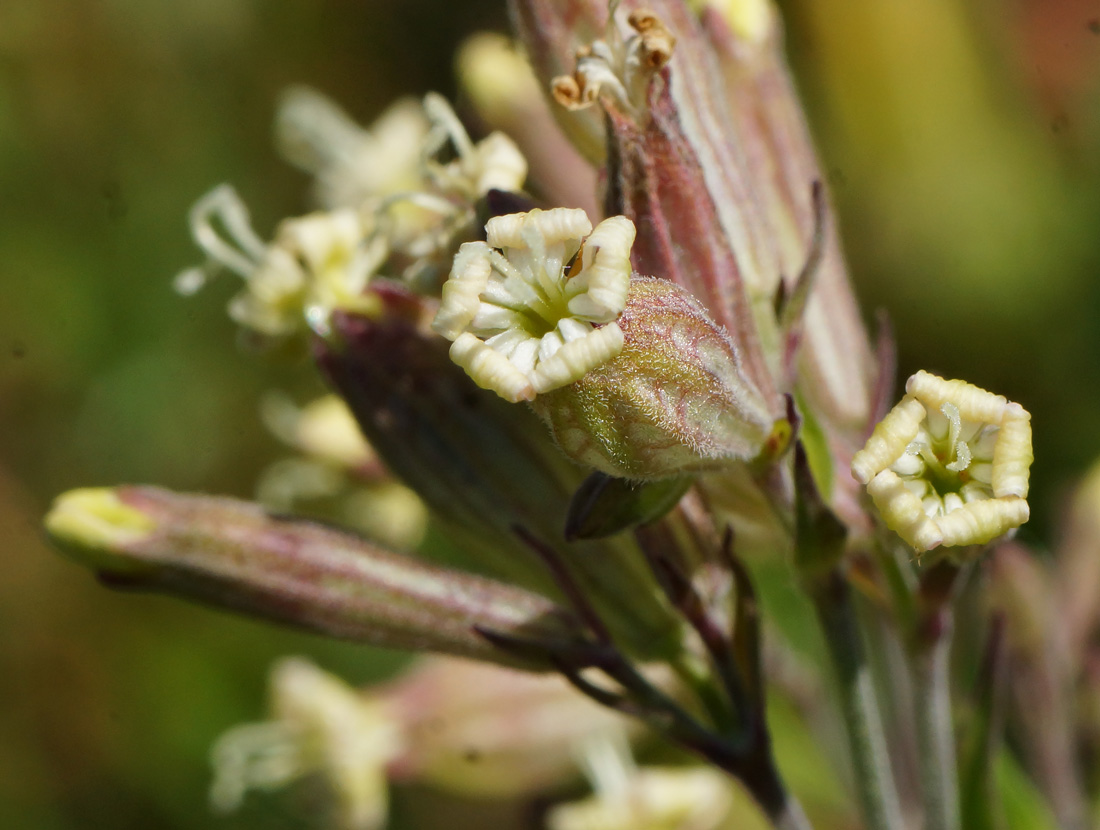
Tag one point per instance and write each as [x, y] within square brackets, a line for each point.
[604, 505]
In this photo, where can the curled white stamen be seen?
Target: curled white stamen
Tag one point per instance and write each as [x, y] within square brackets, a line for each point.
[494, 163]
[316, 264]
[240, 249]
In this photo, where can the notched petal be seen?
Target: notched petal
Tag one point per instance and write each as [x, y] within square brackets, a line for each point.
[533, 308]
[949, 464]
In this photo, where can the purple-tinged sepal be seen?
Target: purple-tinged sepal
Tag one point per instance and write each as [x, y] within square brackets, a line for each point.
[674, 400]
[238, 556]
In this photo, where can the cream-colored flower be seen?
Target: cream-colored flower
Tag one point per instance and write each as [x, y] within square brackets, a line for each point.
[651, 798]
[352, 164]
[318, 725]
[494, 163]
[949, 464]
[337, 465]
[534, 307]
[425, 223]
[617, 67]
[316, 264]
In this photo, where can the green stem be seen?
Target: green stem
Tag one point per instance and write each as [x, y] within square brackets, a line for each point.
[935, 737]
[874, 778]
[930, 657]
[782, 809]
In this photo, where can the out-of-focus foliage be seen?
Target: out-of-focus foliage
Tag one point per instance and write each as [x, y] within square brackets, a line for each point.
[114, 118]
[963, 144]
[962, 141]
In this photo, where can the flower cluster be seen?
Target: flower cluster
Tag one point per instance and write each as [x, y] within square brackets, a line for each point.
[390, 207]
[605, 422]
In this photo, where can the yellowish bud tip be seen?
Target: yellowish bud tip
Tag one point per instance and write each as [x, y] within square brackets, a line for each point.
[92, 523]
[750, 20]
[496, 76]
[326, 429]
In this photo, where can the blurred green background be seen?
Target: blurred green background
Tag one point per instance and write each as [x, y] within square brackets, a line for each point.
[961, 139]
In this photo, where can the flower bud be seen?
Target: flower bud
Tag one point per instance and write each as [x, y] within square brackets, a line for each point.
[1078, 565]
[485, 731]
[234, 554]
[674, 400]
[712, 157]
[949, 464]
[483, 466]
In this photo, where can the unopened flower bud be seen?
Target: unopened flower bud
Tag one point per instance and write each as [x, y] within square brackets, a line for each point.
[323, 429]
[674, 400]
[1078, 564]
[949, 464]
[484, 467]
[235, 554]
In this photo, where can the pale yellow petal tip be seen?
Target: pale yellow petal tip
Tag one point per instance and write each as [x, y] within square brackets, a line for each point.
[898, 428]
[93, 524]
[949, 464]
[752, 21]
[496, 76]
[326, 429]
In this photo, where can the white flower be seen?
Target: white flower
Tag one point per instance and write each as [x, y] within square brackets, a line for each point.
[495, 162]
[949, 464]
[319, 725]
[651, 798]
[534, 308]
[352, 164]
[316, 264]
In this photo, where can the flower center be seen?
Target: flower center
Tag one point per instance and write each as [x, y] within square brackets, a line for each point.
[534, 288]
[949, 462]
